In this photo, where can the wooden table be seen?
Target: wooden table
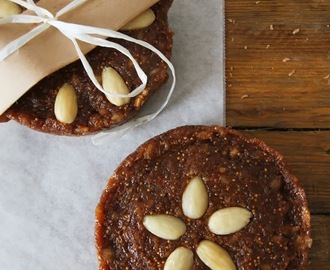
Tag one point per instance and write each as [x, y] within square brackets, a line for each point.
[278, 90]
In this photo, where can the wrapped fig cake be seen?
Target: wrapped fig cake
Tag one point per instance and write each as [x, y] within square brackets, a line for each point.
[67, 101]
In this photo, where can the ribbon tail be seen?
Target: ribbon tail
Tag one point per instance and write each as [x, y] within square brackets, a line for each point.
[21, 18]
[79, 32]
[108, 44]
[118, 132]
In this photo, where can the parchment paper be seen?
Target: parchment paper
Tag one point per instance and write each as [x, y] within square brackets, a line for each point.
[50, 185]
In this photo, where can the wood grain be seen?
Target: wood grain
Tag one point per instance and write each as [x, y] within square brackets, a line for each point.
[277, 76]
[278, 90]
[319, 256]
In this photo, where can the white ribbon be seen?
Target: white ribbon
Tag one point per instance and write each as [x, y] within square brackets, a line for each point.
[86, 34]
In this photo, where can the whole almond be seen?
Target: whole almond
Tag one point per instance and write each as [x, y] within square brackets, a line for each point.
[195, 198]
[229, 220]
[113, 83]
[143, 20]
[214, 256]
[66, 106]
[180, 259]
[164, 226]
[8, 8]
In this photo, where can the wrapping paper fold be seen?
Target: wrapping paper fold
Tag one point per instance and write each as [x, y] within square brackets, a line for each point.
[51, 50]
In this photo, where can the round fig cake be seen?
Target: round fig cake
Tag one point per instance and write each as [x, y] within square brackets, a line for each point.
[203, 197]
[92, 110]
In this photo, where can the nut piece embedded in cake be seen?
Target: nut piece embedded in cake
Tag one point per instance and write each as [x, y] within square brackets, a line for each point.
[144, 20]
[195, 199]
[113, 83]
[214, 256]
[164, 226]
[180, 259]
[66, 105]
[229, 220]
[8, 8]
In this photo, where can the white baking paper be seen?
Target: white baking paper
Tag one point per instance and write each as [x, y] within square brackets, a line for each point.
[50, 185]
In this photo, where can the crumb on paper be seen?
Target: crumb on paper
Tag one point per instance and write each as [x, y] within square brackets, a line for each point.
[244, 96]
[292, 72]
[267, 47]
[296, 31]
[286, 59]
[271, 27]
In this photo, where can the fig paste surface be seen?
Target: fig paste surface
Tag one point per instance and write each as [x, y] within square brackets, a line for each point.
[237, 171]
[95, 113]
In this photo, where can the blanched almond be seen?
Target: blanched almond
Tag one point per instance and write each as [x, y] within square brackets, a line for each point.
[229, 220]
[214, 256]
[66, 105]
[113, 83]
[8, 8]
[144, 20]
[180, 259]
[195, 198]
[164, 226]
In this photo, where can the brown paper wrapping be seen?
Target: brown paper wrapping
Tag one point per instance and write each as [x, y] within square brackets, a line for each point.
[51, 50]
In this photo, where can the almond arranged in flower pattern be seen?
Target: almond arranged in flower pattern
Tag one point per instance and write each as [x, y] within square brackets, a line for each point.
[144, 20]
[229, 220]
[195, 198]
[168, 166]
[214, 256]
[164, 226]
[8, 8]
[180, 259]
[113, 83]
[66, 105]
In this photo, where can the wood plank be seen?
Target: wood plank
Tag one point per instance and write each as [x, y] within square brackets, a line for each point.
[278, 78]
[276, 75]
[308, 156]
[320, 252]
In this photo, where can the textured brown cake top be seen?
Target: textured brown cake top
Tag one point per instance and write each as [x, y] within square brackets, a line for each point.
[94, 111]
[269, 227]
